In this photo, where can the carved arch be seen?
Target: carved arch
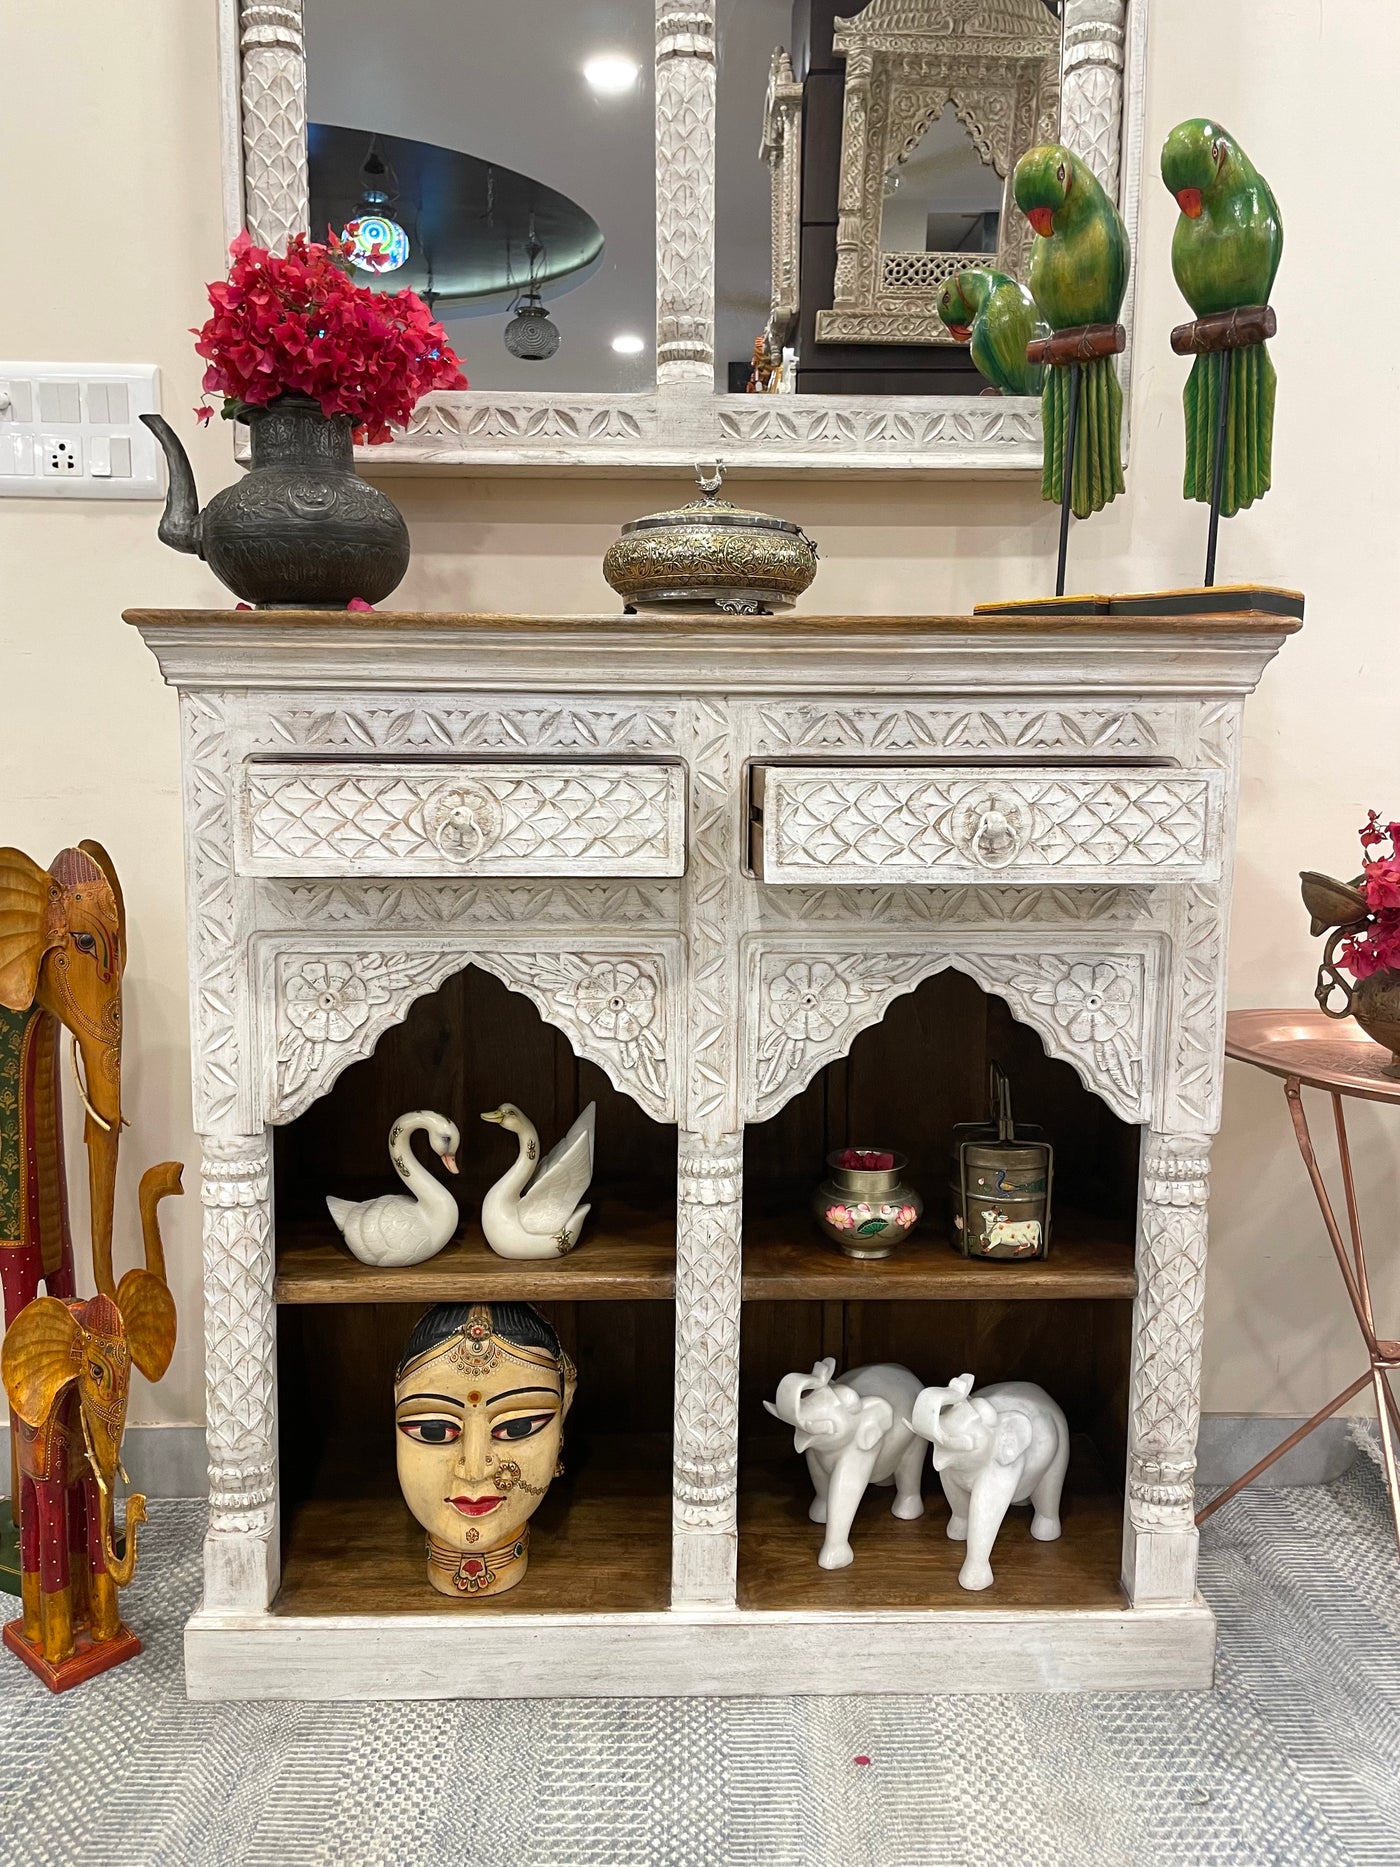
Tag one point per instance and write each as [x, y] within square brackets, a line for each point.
[1091, 1009]
[332, 1002]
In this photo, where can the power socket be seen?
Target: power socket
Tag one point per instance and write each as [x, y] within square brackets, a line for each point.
[60, 457]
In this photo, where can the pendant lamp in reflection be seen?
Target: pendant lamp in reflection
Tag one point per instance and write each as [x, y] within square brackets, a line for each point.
[532, 335]
[374, 240]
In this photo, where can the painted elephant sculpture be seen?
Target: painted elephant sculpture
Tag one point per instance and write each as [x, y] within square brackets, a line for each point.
[1006, 1445]
[855, 1432]
[62, 956]
[66, 1367]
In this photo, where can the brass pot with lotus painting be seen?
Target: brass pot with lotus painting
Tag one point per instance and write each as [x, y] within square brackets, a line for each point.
[711, 553]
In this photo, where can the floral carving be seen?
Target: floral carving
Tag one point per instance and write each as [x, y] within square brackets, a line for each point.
[332, 1010]
[1092, 1004]
[1088, 1009]
[617, 1001]
[809, 1000]
[327, 1001]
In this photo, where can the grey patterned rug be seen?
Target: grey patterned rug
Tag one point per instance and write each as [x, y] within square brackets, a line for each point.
[1295, 1757]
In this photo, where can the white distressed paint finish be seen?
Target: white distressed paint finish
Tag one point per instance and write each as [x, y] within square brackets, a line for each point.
[263, 95]
[469, 1655]
[712, 998]
[845, 824]
[533, 820]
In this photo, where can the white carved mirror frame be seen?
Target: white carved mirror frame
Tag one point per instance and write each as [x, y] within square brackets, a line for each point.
[683, 419]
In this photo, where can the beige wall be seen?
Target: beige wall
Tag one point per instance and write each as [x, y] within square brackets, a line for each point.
[113, 227]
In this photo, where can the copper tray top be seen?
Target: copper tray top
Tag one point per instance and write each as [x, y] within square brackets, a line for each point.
[1326, 1053]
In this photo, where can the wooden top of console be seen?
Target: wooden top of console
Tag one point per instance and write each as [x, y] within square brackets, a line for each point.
[1052, 623]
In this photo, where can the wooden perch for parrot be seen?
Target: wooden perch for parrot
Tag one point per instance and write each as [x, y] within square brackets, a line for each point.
[1083, 344]
[1225, 330]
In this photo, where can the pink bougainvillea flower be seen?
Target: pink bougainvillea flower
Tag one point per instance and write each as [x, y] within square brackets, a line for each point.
[297, 323]
[204, 414]
[359, 605]
[1375, 946]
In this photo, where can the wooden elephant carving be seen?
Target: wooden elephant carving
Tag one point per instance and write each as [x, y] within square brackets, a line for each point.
[66, 1366]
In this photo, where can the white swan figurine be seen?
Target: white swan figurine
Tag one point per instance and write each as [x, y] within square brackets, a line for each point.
[397, 1229]
[545, 1221]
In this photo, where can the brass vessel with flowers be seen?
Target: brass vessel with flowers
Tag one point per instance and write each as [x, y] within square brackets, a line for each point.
[1361, 919]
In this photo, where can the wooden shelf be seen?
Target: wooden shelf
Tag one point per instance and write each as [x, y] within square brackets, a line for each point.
[914, 1565]
[629, 1254]
[786, 1258]
[632, 1254]
[600, 1543]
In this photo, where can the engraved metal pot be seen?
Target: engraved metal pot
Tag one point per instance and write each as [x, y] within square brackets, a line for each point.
[711, 552]
[299, 530]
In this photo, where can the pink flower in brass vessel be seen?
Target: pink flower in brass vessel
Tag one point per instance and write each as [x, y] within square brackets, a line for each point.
[1375, 945]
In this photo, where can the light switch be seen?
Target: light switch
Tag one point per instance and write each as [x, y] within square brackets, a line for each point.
[73, 431]
[21, 401]
[59, 401]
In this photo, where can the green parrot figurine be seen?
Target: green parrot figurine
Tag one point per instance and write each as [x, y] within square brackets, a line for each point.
[1078, 275]
[996, 317]
[1225, 254]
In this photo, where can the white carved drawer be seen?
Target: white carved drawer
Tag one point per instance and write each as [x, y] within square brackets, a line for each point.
[1068, 824]
[367, 818]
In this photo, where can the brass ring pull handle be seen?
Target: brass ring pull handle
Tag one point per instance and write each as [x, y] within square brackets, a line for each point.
[464, 821]
[1329, 980]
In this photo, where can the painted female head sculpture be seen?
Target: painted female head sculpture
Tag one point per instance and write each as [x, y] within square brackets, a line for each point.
[480, 1395]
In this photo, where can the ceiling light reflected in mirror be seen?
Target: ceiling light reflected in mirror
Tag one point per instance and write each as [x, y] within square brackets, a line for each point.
[611, 74]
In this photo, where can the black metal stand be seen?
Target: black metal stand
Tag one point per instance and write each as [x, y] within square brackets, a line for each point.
[1067, 486]
[1217, 476]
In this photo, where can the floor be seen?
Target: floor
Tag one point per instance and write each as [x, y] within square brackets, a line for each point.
[1295, 1757]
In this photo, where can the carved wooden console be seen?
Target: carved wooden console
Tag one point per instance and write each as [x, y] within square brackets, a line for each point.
[712, 853]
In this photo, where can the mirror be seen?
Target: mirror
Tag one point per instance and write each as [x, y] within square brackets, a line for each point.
[939, 100]
[504, 172]
[700, 192]
[942, 207]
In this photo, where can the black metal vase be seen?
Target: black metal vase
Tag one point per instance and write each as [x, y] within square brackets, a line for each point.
[299, 530]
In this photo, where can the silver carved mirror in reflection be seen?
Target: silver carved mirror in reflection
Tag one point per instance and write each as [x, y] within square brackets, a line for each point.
[941, 99]
[671, 173]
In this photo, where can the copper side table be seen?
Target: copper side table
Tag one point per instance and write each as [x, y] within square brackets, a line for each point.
[1309, 1050]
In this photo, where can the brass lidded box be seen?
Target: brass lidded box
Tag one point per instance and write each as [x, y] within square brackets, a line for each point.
[711, 552]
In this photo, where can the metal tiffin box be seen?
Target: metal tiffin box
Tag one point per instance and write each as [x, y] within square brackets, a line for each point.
[1002, 1176]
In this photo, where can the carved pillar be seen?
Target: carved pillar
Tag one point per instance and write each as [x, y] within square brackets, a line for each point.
[708, 1228]
[1164, 1411]
[710, 1178]
[241, 1556]
[1091, 85]
[685, 182]
[851, 198]
[272, 90]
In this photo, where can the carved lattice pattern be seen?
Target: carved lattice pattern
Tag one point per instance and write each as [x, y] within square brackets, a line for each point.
[537, 821]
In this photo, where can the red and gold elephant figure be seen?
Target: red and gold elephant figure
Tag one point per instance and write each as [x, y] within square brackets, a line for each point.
[66, 1363]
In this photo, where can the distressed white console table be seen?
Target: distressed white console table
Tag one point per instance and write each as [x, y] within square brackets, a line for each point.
[711, 851]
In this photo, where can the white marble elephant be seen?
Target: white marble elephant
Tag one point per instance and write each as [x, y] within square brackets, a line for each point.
[1002, 1446]
[855, 1432]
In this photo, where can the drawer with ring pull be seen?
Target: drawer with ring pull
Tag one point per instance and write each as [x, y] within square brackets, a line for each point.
[350, 818]
[850, 824]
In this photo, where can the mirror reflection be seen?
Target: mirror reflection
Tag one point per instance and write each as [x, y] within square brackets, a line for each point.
[943, 199]
[501, 168]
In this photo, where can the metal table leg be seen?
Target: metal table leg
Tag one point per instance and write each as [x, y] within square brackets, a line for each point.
[1383, 1356]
